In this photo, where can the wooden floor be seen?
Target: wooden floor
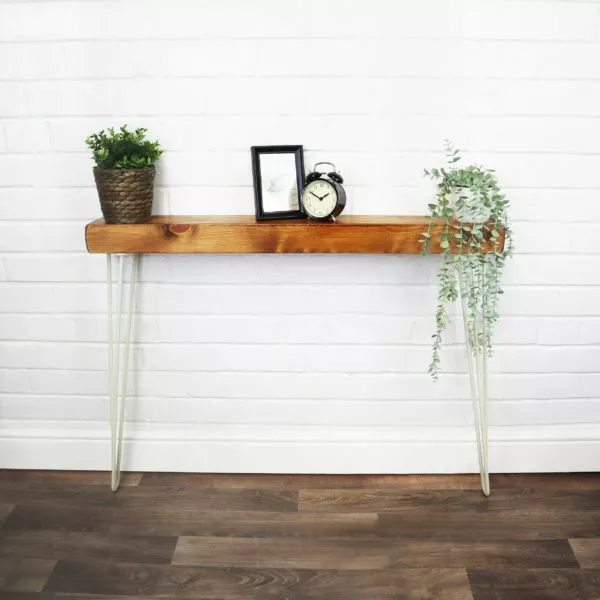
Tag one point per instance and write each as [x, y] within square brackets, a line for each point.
[233, 537]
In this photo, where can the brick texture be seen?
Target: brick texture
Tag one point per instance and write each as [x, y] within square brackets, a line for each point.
[299, 349]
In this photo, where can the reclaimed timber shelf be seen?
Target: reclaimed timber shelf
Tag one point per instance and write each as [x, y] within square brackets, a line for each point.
[244, 234]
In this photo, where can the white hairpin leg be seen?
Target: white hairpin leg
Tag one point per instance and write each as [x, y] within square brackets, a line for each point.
[117, 406]
[478, 376]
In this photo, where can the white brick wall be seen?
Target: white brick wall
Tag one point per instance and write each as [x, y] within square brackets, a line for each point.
[299, 363]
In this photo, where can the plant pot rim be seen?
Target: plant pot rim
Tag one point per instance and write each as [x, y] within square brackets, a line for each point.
[126, 169]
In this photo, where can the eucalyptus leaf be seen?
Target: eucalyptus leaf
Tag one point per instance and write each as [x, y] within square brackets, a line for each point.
[465, 271]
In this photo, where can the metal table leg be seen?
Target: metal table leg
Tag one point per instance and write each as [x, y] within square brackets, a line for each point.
[115, 376]
[475, 339]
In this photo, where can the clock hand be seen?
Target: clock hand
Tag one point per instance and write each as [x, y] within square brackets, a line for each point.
[315, 195]
[325, 196]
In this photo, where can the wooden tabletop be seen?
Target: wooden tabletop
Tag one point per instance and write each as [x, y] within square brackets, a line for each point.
[244, 234]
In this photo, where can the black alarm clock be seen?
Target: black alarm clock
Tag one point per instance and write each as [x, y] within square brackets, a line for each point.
[323, 197]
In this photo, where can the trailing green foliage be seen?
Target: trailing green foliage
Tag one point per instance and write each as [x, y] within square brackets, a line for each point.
[123, 149]
[473, 211]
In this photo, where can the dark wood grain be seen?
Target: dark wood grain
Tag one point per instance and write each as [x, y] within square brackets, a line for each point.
[53, 596]
[176, 497]
[5, 510]
[66, 516]
[269, 499]
[562, 482]
[72, 477]
[288, 553]
[299, 537]
[587, 552]
[365, 554]
[451, 502]
[53, 492]
[243, 234]
[257, 584]
[457, 525]
[515, 553]
[70, 546]
[248, 524]
[398, 482]
[24, 574]
[190, 520]
[535, 584]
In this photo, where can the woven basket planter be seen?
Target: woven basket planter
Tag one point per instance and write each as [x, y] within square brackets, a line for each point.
[125, 194]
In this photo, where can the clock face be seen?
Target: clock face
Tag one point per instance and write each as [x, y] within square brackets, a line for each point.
[319, 198]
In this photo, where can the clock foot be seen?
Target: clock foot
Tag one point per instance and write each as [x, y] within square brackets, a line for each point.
[327, 220]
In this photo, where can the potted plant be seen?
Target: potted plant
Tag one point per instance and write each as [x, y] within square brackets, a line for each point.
[472, 210]
[124, 173]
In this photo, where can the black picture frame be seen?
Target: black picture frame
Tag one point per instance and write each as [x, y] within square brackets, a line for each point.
[256, 153]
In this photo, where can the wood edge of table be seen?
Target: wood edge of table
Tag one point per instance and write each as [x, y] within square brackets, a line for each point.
[167, 235]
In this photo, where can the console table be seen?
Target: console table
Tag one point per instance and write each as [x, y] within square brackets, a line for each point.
[243, 234]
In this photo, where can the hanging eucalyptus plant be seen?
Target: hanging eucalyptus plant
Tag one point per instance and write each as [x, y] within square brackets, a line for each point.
[471, 210]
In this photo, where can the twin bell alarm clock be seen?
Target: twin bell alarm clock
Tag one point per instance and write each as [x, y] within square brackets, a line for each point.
[323, 197]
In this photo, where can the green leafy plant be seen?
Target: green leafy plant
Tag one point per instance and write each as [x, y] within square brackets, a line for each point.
[472, 212]
[123, 149]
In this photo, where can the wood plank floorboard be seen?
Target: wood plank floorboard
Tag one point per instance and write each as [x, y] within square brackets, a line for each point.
[541, 481]
[534, 584]
[587, 552]
[243, 583]
[190, 520]
[547, 481]
[69, 545]
[65, 536]
[543, 503]
[66, 516]
[24, 574]
[282, 553]
[5, 510]
[52, 596]
[418, 482]
[367, 554]
[500, 526]
[76, 477]
[132, 498]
